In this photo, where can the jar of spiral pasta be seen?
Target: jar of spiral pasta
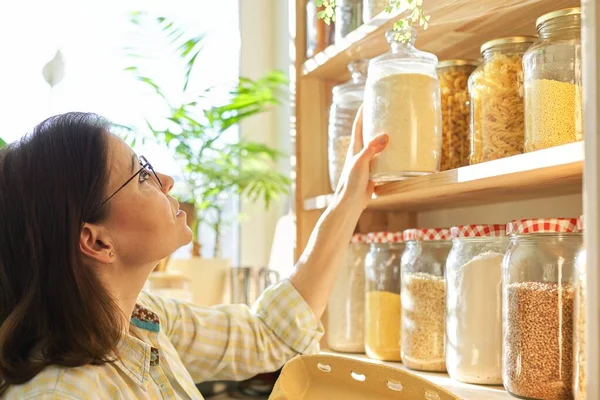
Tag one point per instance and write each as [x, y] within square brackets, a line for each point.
[497, 90]
[579, 323]
[453, 76]
[553, 89]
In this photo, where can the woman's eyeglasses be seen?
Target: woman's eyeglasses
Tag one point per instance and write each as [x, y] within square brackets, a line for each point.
[145, 168]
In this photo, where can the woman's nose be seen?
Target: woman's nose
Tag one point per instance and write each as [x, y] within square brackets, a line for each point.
[167, 182]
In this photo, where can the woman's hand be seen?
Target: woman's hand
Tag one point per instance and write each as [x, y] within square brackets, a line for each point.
[355, 189]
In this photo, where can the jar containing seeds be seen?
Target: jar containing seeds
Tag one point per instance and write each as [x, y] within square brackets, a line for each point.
[382, 310]
[424, 298]
[537, 288]
[579, 321]
[346, 308]
[347, 99]
[453, 76]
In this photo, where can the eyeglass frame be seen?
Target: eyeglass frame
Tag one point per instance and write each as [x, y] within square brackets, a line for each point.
[144, 165]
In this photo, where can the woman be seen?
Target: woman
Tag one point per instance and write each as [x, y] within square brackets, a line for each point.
[83, 221]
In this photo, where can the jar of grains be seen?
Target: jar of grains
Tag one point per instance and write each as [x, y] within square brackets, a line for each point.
[579, 328]
[424, 298]
[346, 309]
[553, 89]
[498, 123]
[382, 311]
[474, 303]
[347, 99]
[455, 103]
[537, 286]
[402, 99]
[373, 7]
[348, 17]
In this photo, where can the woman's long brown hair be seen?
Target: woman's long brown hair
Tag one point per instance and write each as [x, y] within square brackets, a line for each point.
[53, 308]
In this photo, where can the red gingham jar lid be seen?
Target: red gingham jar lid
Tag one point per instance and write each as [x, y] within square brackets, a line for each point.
[580, 224]
[384, 237]
[542, 225]
[359, 238]
[427, 234]
[474, 231]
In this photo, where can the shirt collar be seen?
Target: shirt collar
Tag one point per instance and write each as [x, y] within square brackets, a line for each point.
[146, 319]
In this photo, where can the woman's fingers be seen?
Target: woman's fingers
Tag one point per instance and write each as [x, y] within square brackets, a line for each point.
[357, 143]
[375, 146]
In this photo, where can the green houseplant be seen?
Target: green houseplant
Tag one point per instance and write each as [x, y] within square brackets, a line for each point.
[2, 143]
[194, 133]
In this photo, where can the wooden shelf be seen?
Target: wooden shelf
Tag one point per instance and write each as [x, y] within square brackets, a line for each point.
[464, 390]
[550, 172]
[457, 30]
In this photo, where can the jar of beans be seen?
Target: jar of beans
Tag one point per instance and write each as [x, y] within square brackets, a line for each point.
[579, 321]
[424, 298]
[538, 305]
[382, 303]
[453, 76]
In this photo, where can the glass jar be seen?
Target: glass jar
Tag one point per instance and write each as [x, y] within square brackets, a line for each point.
[174, 285]
[474, 304]
[497, 100]
[553, 88]
[319, 35]
[579, 324]
[537, 292]
[348, 17]
[382, 311]
[402, 99]
[424, 298]
[455, 104]
[346, 308]
[347, 99]
[475, 141]
[373, 7]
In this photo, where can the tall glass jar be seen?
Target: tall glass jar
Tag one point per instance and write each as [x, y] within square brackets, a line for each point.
[537, 288]
[424, 298]
[382, 311]
[346, 309]
[498, 90]
[579, 321]
[553, 88]
[319, 35]
[348, 17]
[347, 99]
[453, 76]
[373, 7]
[474, 303]
[476, 108]
[402, 99]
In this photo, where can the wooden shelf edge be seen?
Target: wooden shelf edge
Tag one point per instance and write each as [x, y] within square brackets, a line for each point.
[549, 172]
[464, 390]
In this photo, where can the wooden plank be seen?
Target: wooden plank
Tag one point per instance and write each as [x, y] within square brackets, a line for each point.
[457, 30]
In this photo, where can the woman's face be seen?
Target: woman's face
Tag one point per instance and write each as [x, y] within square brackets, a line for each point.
[144, 222]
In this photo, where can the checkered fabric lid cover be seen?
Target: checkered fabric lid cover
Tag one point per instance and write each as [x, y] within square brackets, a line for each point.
[359, 238]
[385, 237]
[542, 225]
[580, 224]
[427, 234]
[471, 231]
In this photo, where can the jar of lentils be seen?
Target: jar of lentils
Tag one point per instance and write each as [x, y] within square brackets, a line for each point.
[538, 302]
[579, 321]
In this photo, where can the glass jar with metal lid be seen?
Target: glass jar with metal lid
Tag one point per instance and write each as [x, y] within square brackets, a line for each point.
[498, 123]
[346, 308]
[579, 323]
[537, 304]
[424, 298]
[382, 311]
[553, 87]
[455, 104]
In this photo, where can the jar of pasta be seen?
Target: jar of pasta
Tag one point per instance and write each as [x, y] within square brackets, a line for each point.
[382, 311]
[347, 99]
[497, 100]
[424, 298]
[553, 89]
[475, 108]
[579, 323]
[453, 76]
[402, 99]
[346, 308]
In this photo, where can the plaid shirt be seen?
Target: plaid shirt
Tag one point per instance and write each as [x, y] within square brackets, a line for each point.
[182, 344]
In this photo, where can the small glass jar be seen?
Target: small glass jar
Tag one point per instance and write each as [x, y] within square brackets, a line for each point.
[455, 104]
[402, 99]
[424, 298]
[553, 87]
[498, 91]
[579, 324]
[382, 306]
[319, 35]
[346, 308]
[347, 99]
[474, 304]
[348, 17]
[373, 7]
[537, 304]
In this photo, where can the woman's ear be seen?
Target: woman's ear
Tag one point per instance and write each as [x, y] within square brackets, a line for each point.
[95, 244]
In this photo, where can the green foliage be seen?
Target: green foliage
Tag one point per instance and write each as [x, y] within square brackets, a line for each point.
[2, 143]
[193, 131]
